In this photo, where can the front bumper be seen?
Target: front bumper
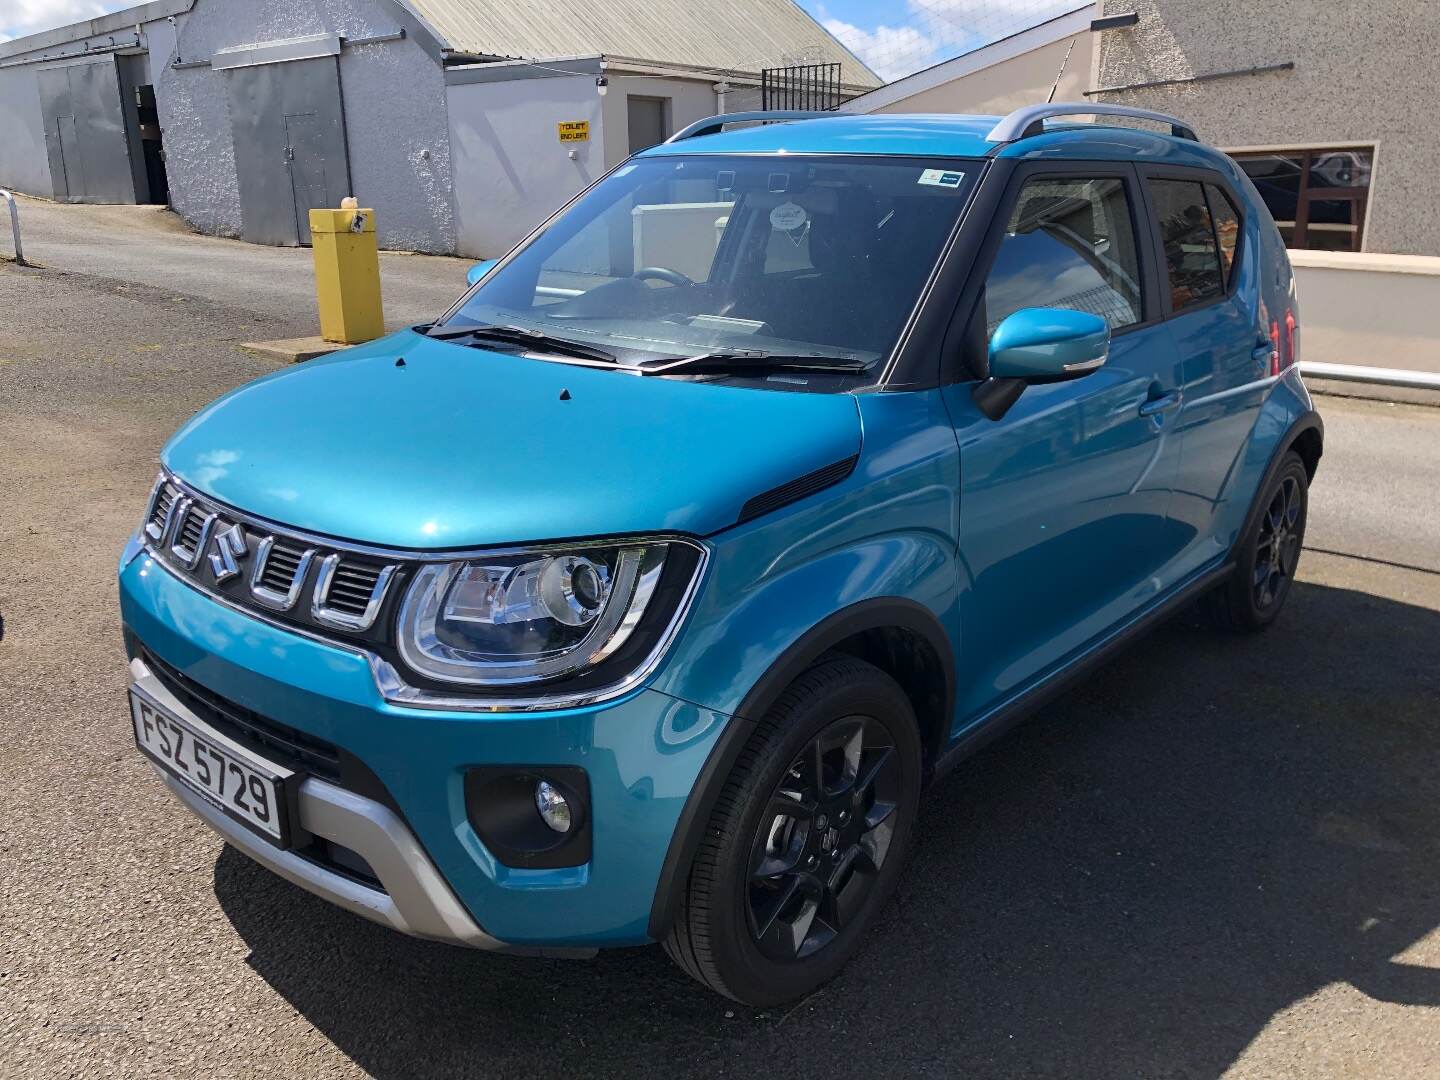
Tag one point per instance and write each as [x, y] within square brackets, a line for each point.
[414, 900]
[642, 754]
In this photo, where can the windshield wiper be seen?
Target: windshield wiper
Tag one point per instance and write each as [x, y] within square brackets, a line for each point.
[752, 360]
[537, 340]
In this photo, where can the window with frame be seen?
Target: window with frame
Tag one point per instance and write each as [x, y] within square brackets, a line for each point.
[1227, 229]
[1193, 264]
[1317, 197]
[1069, 243]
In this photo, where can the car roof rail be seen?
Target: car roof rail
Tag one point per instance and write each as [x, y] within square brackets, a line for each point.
[1023, 123]
[711, 124]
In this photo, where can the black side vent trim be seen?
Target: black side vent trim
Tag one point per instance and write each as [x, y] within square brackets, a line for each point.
[795, 490]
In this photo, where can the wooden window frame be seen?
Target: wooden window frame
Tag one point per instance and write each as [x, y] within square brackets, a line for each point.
[1360, 196]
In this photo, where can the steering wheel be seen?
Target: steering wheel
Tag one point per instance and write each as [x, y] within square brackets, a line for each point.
[662, 273]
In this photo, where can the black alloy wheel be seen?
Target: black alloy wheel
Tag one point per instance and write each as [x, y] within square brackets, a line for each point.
[1277, 549]
[823, 839]
[1267, 556]
[806, 840]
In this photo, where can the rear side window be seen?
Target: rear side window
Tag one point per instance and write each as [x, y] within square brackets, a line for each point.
[1187, 231]
[1070, 243]
[1227, 229]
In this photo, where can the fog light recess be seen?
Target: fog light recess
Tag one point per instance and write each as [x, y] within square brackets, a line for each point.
[532, 816]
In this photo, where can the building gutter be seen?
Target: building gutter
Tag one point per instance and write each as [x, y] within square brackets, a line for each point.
[104, 25]
[60, 58]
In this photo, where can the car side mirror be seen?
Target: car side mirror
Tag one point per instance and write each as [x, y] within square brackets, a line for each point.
[1044, 345]
[1040, 345]
[479, 270]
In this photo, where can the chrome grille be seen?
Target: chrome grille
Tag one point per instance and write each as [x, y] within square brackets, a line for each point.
[161, 503]
[352, 586]
[279, 574]
[191, 531]
[254, 564]
[281, 566]
[349, 591]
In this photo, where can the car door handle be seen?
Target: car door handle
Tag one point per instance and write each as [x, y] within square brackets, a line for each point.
[1162, 404]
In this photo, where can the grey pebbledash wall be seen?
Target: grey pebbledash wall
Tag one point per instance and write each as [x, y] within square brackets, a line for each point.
[394, 102]
[1364, 73]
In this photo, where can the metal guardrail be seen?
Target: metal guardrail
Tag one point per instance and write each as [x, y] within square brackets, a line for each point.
[1420, 380]
[14, 226]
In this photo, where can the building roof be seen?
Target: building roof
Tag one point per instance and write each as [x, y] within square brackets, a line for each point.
[738, 35]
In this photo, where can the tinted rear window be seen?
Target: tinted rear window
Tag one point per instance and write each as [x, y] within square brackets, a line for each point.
[1187, 231]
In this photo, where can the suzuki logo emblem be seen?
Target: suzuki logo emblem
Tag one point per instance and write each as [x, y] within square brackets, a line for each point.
[229, 550]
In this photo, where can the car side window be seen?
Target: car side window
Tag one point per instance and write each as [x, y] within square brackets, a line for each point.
[1227, 228]
[1069, 243]
[1187, 232]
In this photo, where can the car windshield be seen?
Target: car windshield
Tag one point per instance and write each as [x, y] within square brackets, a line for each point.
[763, 264]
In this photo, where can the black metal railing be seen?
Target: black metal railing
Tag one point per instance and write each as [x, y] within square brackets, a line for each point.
[802, 86]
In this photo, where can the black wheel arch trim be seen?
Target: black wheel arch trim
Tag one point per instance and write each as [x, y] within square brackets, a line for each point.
[874, 614]
[1306, 422]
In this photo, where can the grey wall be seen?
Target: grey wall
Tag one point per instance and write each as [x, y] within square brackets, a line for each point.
[24, 165]
[511, 170]
[689, 100]
[394, 96]
[1364, 73]
[82, 107]
[23, 162]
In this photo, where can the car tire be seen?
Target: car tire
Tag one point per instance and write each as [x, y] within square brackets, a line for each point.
[1267, 556]
[845, 722]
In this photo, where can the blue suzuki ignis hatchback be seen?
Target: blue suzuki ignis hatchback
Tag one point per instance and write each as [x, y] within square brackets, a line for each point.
[638, 598]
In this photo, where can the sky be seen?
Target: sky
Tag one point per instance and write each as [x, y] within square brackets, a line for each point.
[894, 37]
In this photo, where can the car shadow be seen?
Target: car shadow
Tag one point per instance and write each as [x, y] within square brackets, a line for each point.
[1133, 882]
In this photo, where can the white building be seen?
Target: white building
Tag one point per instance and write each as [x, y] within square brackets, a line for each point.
[461, 122]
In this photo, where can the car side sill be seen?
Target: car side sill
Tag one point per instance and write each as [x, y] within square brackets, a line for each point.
[1006, 716]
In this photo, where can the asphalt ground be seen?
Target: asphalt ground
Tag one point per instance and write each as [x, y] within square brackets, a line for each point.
[1214, 855]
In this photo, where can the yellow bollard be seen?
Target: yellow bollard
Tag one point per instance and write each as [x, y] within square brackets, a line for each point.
[347, 275]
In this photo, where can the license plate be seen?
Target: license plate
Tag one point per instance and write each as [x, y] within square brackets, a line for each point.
[247, 788]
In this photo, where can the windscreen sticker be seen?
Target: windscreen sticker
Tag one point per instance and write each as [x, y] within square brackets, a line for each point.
[788, 216]
[941, 178]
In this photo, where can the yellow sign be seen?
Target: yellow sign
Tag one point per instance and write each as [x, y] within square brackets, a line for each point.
[573, 130]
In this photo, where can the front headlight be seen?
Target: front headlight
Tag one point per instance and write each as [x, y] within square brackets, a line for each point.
[526, 617]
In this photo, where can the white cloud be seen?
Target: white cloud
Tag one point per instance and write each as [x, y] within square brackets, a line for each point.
[21, 17]
[889, 51]
[966, 24]
[934, 30]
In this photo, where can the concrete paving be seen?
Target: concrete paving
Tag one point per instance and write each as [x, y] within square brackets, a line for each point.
[1216, 855]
